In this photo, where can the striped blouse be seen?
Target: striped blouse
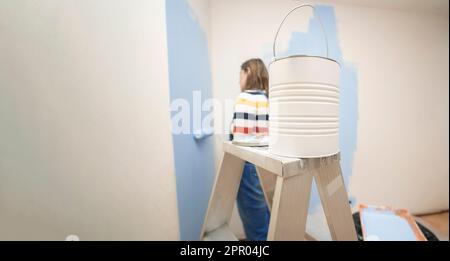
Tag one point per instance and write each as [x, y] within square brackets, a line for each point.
[251, 115]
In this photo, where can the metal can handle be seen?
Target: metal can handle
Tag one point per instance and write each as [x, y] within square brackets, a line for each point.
[287, 15]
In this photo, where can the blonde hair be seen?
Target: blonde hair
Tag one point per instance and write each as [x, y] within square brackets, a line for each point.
[257, 75]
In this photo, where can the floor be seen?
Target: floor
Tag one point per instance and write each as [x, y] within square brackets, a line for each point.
[438, 223]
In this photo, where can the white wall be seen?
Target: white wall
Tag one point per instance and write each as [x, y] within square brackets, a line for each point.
[401, 55]
[85, 142]
[402, 154]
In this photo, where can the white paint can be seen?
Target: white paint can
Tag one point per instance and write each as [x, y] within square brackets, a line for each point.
[304, 104]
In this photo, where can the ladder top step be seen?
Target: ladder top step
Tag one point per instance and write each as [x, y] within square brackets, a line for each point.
[282, 166]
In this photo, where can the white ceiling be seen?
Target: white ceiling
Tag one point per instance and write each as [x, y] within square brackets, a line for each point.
[439, 7]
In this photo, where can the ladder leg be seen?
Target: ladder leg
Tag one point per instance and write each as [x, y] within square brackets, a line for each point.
[334, 198]
[268, 181]
[224, 194]
[290, 208]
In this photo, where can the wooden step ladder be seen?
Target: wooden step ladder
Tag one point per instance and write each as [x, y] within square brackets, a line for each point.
[286, 183]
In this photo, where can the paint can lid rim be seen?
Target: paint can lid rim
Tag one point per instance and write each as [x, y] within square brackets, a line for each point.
[296, 56]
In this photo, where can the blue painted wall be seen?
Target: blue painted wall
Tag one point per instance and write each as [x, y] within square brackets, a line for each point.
[312, 43]
[189, 71]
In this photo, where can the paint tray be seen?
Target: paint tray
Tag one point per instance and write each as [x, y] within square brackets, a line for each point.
[388, 224]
